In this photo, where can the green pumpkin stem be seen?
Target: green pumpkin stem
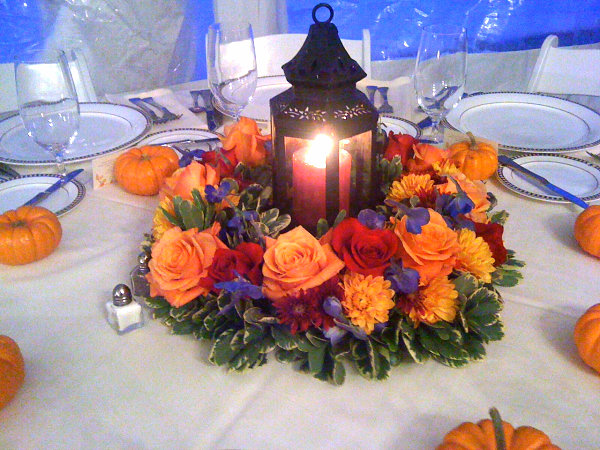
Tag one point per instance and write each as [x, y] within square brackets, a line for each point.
[498, 428]
[473, 143]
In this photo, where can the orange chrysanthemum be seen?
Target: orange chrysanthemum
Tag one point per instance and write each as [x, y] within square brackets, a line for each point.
[160, 221]
[445, 168]
[475, 256]
[367, 300]
[436, 301]
[410, 185]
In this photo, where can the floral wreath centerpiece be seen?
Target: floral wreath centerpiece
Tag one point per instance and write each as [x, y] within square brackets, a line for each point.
[410, 274]
[414, 277]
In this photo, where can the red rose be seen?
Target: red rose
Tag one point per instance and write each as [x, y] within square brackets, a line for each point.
[246, 260]
[399, 145]
[364, 250]
[492, 234]
[224, 160]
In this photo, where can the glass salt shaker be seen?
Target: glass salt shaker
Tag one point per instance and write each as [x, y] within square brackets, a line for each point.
[139, 285]
[124, 314]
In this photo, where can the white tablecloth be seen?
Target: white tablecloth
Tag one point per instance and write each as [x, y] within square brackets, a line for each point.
[87, 387]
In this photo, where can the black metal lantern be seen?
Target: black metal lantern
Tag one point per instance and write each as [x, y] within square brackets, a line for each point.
[323, 130]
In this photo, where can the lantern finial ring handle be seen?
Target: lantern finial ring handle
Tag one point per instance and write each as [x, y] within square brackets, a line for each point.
[320, 5]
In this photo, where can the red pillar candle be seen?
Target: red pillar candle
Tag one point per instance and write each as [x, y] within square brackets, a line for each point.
[308, 172]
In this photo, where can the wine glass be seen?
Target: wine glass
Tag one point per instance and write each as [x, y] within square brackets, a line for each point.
[231, 66]
[440, 73]
[47, 101]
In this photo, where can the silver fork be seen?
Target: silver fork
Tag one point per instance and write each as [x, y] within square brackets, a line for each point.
[140, 104]
[167, 115]
[385, 108]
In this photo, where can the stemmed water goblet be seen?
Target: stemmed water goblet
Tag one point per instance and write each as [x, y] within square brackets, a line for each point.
[47, 101]
[231, 66]
[440, 73]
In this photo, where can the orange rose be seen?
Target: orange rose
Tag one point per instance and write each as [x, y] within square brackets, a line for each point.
[431, 253]
[475, 190]
[425, 156]
[297, 260]
[180, 262]
[193, 176]
[249, 144]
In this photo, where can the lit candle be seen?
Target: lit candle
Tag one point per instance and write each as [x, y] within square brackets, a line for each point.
[308, 173]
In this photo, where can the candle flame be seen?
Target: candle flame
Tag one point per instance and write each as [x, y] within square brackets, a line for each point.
[318, 150]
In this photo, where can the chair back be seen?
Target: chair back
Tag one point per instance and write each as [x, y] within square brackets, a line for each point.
[79, 72]
[274, 50]
[565, 70]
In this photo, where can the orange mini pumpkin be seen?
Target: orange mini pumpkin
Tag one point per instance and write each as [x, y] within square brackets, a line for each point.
[587, 337]
[12, 369]
[587, 230]
[495, 434]
[27, 234]
[142, 170]
[477, 160]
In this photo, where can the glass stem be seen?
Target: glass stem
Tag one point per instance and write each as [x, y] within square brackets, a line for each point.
[437, 130]
[57, 151]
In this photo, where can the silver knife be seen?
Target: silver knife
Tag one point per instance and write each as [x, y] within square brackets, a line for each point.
[61, 182]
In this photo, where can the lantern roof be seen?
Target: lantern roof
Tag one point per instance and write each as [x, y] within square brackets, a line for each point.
[323, 62]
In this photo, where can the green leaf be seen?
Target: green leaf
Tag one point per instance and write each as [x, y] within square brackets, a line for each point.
[221, 351]
[266, 344]
[466, 284]
[455, 363]
[304, 344]
[283, 338]
[252, 334]
[316, 358]
[160, 313]
[157, 302]
[339, 373]
[415, 350]
[255, 315]
[288, 356]
[499, 217]
[492, 332]
[316, 338]
[183, 327]
[322, 228]
[506, 277]
[438, 347]
[341, 216]
[184, 312]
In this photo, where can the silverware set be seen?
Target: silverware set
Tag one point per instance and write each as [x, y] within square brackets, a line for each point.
[145, 105]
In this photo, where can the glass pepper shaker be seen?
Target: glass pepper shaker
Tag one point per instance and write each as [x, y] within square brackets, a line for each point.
[124, 314]
[139, 284]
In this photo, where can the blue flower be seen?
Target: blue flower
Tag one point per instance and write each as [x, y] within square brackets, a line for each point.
[403, 280]
[187, 158]
[371, 219]
[454, 205]
[237, 222]
[238, 288]
[416, 217]
[214, 195]
[333, 307]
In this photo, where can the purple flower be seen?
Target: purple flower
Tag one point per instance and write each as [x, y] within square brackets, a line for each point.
[416, 218]
[333, 307]
[214, 195]
[238, 288]
[454, 205]
[403, 280]
[371, 219]
[187, 158]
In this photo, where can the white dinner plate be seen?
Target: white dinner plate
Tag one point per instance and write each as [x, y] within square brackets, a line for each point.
[103, 128]
[16, 191]
[525, 122]
[179, 134]
[400, 126]
[258, 107]
[576, 176]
